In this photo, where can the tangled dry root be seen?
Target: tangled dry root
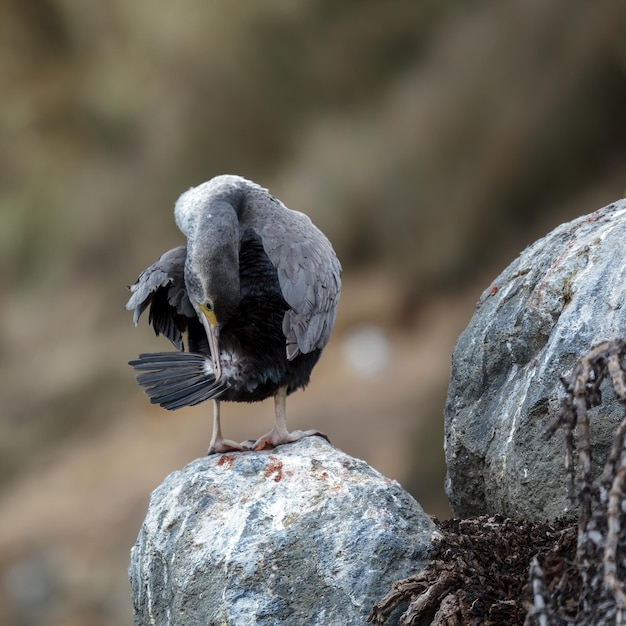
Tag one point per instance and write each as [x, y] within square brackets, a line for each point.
[478, 573]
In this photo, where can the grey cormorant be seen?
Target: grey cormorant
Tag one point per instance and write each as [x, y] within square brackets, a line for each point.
[255, 290]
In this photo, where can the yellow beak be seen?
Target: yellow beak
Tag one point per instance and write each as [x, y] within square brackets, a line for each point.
[211, 328]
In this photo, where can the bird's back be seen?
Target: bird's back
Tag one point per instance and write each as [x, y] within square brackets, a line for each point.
[308, 271]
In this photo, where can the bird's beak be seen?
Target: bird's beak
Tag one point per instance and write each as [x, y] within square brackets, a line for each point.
[209, 321]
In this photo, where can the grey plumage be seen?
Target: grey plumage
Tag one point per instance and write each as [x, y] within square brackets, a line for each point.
[255, 290]
[166, 276]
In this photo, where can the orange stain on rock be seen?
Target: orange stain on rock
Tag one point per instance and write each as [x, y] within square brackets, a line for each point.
[226, 461]
[275, 466]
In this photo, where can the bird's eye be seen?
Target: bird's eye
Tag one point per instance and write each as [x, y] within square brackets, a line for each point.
[208, 305]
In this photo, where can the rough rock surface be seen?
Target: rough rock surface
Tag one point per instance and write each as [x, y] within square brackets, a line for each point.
[561, 296]
[303, 534]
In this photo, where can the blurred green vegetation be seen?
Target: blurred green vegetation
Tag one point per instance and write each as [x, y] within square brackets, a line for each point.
[430, 140]
[380, 116]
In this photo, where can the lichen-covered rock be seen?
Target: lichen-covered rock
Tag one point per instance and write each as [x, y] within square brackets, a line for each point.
[303, 534]
[561, 296]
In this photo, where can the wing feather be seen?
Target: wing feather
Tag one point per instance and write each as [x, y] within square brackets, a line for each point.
[309, 273]
[162, 288]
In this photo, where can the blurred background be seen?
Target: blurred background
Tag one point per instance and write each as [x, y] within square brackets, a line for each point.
[431, 141]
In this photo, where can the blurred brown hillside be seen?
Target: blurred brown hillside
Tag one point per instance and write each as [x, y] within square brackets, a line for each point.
[430, 140]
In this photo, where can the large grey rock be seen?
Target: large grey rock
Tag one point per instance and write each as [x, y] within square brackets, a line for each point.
[562, 295]
[302, 534]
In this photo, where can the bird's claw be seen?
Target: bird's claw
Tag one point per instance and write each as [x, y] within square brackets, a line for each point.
[226, 445]
[274, 438]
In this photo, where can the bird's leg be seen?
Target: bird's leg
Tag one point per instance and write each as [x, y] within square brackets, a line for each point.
[279, 434]
[218, 443]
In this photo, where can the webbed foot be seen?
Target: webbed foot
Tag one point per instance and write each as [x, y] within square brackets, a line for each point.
[226, 445]
[275, 438]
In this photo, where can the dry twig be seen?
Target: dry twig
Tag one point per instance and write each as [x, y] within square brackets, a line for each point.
[538, 613]
[601, 543]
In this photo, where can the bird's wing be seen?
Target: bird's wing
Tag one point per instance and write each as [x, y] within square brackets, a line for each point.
[162, 287]
[177, 379]
[308, 274]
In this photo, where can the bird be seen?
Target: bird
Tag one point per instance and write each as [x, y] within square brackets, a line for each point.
[249, 303]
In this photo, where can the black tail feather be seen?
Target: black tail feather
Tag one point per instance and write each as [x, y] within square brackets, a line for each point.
[177, 379]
